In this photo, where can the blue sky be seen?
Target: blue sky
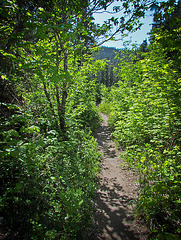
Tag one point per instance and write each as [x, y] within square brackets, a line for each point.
[136, 37]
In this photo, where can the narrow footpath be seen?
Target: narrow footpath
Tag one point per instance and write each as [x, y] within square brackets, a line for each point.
[114, 218]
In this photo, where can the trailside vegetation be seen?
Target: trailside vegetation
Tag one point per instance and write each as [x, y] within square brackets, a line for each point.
[49, 157]
[145, 115]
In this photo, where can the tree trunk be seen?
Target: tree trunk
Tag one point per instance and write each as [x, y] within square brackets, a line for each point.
[64, 97]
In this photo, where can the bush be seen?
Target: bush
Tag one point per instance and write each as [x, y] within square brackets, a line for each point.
[145, 115]
[47, 183]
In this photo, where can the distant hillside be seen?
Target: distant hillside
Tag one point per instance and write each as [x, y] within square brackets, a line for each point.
[107, 53]
[108, 76]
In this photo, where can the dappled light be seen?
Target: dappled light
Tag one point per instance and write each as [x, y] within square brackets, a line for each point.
[114, 203]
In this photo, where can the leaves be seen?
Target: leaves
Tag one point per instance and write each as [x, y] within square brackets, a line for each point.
[145, 115]
[47, 175]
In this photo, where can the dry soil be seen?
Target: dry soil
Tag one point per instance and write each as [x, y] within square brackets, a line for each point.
[114, 208]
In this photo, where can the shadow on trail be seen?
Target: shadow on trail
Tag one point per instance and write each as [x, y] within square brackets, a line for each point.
[104, 137]
[113, 217]
[112, 223]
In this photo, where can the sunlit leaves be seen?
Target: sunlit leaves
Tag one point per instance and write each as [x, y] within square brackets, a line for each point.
[145, 115]
[47, 180]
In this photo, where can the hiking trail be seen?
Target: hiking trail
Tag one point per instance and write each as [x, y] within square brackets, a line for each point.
[113, 218]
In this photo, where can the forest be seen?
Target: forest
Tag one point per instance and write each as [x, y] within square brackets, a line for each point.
[54, 84]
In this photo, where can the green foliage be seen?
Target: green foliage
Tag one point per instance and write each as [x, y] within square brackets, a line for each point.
[81, 108]
[146, 118]
[49, 159]
[46, 183]
[107, 75]
[105, 105]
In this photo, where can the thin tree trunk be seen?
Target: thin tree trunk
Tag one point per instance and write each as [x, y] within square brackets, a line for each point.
[48, 98]
[64, 96]
[61, 104]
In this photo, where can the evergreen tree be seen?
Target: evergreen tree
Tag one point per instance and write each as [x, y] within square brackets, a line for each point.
[144, 46]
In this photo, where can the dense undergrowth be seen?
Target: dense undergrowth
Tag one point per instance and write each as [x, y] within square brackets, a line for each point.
[145, 116]
[49, 158]
[47, 182]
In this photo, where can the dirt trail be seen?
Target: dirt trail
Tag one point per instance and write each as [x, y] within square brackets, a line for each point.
[114, 214]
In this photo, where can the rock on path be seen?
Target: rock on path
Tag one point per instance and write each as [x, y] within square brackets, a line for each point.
[114, 218]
